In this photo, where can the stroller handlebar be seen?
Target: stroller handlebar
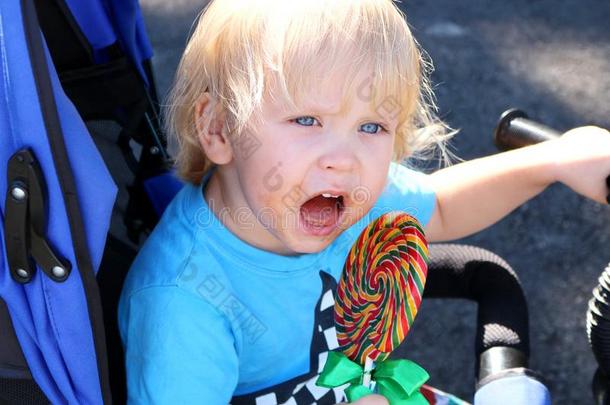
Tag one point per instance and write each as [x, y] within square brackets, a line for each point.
[515, 130]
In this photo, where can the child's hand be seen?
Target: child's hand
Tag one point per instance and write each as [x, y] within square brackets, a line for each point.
[370, 400]
[582, 157]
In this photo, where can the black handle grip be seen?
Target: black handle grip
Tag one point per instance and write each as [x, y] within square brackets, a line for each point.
[515, 130]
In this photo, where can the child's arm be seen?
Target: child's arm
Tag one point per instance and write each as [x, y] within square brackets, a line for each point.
[474, 195]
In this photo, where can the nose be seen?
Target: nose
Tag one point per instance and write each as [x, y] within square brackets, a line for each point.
[340, 156]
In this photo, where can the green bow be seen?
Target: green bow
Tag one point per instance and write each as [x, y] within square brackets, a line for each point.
[397, 380]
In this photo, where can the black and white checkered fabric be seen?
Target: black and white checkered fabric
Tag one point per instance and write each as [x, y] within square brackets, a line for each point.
[303, 390]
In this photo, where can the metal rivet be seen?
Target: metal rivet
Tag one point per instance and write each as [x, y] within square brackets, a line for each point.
[22, 273]
[19, 193]
[59, 272]
[154, 150]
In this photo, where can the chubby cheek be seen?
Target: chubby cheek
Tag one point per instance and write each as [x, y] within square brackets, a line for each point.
[364, 197]
[373, 179]
[274, 168]
[265, 183]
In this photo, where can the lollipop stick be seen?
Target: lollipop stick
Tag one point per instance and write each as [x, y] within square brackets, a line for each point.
[369, 365]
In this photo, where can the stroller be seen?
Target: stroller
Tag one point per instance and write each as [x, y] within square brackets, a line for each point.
[66, 62]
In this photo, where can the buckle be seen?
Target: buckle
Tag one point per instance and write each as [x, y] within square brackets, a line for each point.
[26, 221]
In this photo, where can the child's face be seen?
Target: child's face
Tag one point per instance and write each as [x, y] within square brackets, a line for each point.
[315, 171]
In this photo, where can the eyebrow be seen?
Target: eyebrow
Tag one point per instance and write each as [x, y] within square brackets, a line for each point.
[334, 109]
[316, 108]
[323, 109]
[371, 114]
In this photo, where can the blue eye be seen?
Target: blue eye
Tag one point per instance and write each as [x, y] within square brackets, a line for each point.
[369, 127]
[372, 128]
[306, 121]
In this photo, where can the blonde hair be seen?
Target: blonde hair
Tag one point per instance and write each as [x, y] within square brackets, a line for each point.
[238, 46]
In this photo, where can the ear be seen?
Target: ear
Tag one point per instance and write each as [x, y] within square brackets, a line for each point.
[211, 130]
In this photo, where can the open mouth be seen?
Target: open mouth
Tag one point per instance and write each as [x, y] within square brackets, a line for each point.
[320, 215]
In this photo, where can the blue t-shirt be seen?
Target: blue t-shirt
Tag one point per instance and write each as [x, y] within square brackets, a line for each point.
[207, 318]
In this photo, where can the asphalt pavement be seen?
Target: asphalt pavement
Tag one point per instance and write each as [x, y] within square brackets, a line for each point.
[552, 59]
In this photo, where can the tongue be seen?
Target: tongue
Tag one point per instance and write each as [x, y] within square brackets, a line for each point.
[320, 211]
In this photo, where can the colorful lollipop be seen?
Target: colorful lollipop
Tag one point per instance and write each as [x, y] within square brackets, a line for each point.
[377, 299]
[381, 287]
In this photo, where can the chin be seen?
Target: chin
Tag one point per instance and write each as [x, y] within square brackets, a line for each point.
[314, 245]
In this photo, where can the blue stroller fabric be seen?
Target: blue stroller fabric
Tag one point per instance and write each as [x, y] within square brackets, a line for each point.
[55, 322]
[106, 21]
[161, 190]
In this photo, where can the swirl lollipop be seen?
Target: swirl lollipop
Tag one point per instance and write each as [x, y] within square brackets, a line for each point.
[381, 287]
